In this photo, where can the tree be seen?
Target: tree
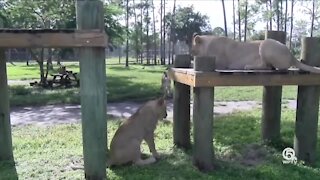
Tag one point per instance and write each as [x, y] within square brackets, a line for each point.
[239, 20]
[187, 22]
[291, 24]
[154, 35]
[127, 29]
[39, 14]
[52, 14]
[234, 20]
[173, 30]
[225, 19]
[245, 20]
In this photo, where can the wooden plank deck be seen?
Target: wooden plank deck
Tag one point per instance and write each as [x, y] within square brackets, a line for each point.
[243, 77]
[36, 38]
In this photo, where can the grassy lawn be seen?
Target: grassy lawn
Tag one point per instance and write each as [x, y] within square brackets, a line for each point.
[135, 83]
[45, 153]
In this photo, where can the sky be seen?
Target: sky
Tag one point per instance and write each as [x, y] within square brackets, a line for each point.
[213, 9]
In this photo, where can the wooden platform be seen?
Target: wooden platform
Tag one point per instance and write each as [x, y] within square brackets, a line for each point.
[33, 38]
[243, 77]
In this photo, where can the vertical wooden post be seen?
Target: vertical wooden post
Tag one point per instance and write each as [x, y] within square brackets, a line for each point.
[181, 107]
[271, 104]
[93, 92]
[305, 140]
[6, 153]
[203, 98]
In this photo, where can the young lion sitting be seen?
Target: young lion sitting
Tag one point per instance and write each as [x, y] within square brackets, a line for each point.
[125, 145]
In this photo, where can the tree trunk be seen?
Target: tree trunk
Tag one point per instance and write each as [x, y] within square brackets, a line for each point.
[141, 35]
[278, 15]
[271, 14]
[164, 33]
[225, 19]
[174, 31]
[286, 17]
[312, 18]
[148, 40]
[239, 20]
[234, 20]
[281, 15]
[267, 8]
[291, 25]
[245, 21]
[161, 35]
[49, 60]
[154, 35]
[136, 30]
[127, 29]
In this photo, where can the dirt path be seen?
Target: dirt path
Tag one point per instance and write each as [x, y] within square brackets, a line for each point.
[57, 114]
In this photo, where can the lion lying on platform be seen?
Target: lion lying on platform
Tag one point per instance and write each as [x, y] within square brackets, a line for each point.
[231, 54]
[125, 145]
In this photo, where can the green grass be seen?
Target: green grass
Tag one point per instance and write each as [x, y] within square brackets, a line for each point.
[136, 83]
[45, 153]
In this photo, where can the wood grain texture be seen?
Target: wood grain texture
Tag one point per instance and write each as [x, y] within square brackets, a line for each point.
[305, 140]
[6, 153]
[209, 79]
[87, 38]
[181, 107]
[271, 100]
[93, 92]
[203, 119]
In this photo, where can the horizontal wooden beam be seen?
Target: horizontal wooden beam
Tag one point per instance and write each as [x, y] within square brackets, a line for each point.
[224, 78]
[52, 38]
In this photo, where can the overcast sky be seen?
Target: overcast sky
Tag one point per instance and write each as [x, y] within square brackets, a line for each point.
[213, 9]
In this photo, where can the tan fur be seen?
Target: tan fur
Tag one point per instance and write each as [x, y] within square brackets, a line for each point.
[166, 85]
[125, 145]
[231, 54]
[279, 56]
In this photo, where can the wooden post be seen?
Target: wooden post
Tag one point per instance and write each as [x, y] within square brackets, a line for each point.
[271, 104]
[6, 153]
[181, 107]
[305, 140]
[203, 98]
[93, 92]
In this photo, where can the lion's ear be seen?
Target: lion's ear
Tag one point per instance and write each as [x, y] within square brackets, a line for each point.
[197, 39]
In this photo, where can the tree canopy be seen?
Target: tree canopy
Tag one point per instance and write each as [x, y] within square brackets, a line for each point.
[187, 22]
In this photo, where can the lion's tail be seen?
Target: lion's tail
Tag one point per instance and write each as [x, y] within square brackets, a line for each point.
[305, 67]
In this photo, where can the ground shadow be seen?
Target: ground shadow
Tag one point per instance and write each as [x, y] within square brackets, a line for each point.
[8, 170]
[119, 88]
